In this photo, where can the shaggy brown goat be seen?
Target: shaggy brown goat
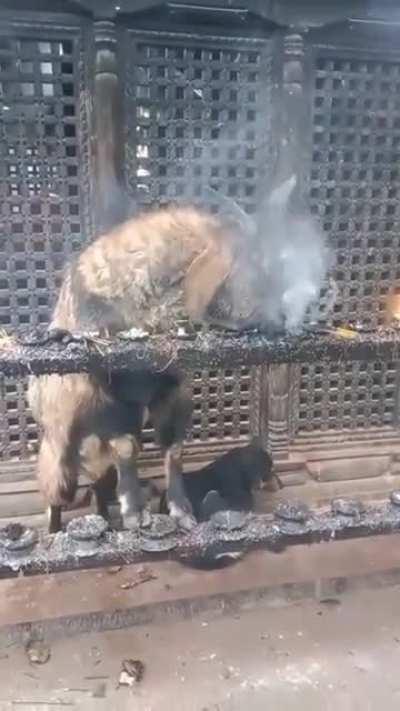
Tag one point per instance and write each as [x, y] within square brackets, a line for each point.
[145, 273]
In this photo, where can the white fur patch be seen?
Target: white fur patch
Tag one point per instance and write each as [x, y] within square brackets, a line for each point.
[124, 504]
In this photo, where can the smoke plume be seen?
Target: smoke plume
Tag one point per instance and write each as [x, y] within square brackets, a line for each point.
[281, 265]
[294, 258]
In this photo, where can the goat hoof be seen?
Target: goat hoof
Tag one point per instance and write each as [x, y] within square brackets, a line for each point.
[139, 519]
[183, 519]
[186, 521]
[145, 518]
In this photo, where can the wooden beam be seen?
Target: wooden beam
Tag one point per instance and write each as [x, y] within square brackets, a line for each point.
[209, 350]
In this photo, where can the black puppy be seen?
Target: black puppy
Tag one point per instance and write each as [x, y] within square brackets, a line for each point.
[228, 482]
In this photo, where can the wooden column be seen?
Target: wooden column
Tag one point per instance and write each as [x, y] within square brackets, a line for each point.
[293, 158]
[110, 194]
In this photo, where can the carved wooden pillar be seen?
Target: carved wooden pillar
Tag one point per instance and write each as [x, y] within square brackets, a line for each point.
[293, 159]
[294, 155]
[110, 196]
[277, 388]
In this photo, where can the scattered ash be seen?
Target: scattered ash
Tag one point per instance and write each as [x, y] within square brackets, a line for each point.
[206, 349]
[87, 528]
[347, 507]
[160, 527]
[294, 511]
[229, 520]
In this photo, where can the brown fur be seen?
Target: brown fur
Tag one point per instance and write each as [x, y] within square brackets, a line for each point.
[146, 271]
[142, 274]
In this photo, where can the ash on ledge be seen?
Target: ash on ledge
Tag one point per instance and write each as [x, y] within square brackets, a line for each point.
[88, 541]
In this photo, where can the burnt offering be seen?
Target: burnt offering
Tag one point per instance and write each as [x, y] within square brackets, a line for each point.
[395, 497]
[86, 533]
[13, 531]
[87, 528]
[291, 516]
[159, 536]
[17, 544]
[157, 545]
[229, 520]
[293, 511]
[347, 507]
[17, 538]
[160, 527]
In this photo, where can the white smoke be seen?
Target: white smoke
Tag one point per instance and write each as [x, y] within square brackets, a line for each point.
[295, 258]
[291, 259]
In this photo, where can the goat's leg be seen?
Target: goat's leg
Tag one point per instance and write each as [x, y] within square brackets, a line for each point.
[104, 491]
[54, 518]
[179, 505]
[101, 503]
[133, 510]
[171, 416]
[57, 481]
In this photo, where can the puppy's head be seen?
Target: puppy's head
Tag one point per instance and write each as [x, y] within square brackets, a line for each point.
[258, 469]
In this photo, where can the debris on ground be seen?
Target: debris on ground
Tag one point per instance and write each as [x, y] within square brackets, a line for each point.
[208, 657]
[99, 692]
[329, 601]
[38, 652]
[114, 570]
[229, 672]
[96, 655]
[143, 575]
[132, 672]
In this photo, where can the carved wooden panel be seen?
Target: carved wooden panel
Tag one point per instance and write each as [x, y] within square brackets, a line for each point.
[44, 189]
[355, 190]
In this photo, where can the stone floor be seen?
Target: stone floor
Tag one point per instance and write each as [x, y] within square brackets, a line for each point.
[339, 654]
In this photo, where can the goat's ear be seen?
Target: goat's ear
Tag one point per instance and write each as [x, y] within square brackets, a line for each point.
[204, 276]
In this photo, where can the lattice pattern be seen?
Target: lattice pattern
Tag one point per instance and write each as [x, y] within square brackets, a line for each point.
[199, 116]
[355, 189]
[355, 179]
[223, 406]
[42, 170]
[346, 395]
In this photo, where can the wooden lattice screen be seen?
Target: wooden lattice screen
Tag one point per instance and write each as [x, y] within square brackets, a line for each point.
[188, 104]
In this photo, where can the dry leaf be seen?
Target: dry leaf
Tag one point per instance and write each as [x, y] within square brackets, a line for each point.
[38, 652]
[132, 672]
[125, 679]
[143, 575]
